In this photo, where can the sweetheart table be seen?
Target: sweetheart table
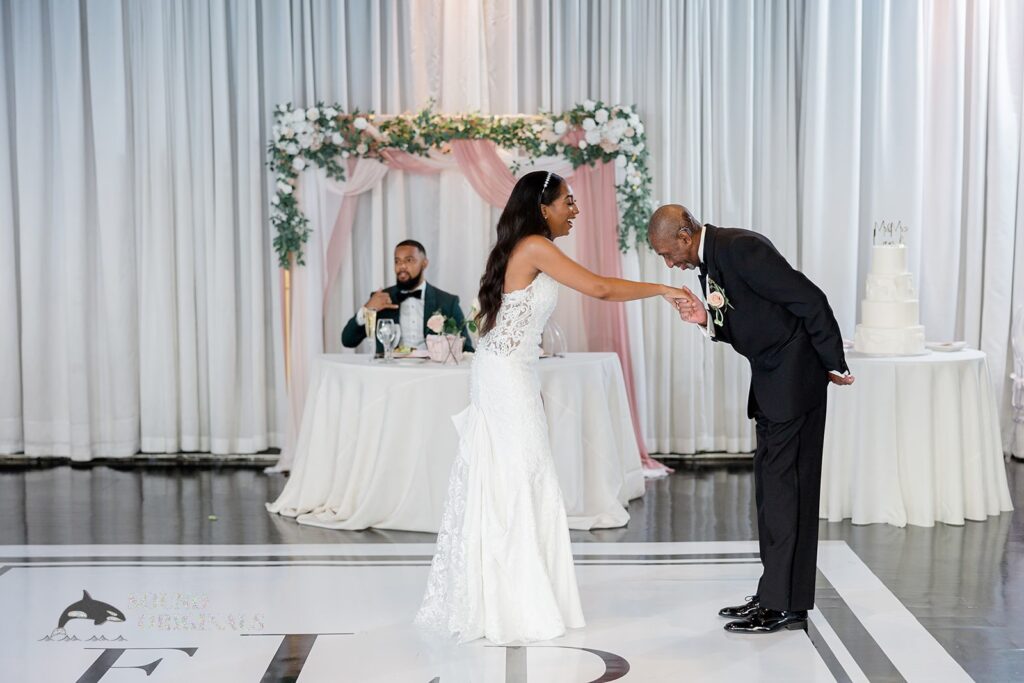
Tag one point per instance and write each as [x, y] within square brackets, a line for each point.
[377, 442]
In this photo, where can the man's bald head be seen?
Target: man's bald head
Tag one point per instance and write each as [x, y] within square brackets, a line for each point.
[674, 235]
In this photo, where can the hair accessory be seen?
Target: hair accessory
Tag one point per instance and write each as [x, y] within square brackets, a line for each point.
[546, 181]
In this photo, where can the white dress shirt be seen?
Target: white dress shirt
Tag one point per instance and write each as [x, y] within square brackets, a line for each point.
[410, 319]
[709, 328]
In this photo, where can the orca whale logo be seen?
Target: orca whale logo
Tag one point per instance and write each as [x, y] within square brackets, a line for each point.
[88, 608]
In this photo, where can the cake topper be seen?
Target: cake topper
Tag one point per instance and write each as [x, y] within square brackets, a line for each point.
[888, 233]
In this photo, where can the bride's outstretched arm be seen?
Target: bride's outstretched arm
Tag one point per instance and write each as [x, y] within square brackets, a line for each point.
[543, 255]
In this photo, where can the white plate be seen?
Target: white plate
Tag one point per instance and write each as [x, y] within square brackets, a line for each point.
[417, 353]
[946, 346]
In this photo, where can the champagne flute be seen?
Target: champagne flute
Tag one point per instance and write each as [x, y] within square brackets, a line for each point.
[388, 333]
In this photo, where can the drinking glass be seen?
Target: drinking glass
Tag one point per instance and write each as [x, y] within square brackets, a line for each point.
[388, 333]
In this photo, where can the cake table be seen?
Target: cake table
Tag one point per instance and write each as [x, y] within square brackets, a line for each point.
[914, 441]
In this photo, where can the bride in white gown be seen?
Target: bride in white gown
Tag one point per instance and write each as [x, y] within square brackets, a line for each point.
[503, 567]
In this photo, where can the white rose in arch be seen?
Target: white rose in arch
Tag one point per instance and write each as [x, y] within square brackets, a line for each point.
[337, 139]
[298, 163]
[275, 200]
[589, 105]
[583, 144]
[589, 124]
[593, 137]
[620, 161]
[360, 123]
[292, 149]
[435, 323]
[287, 132]
[362, 148]
[284, 187]
[560, 127]
[601, 116]
[312, 113]
[330, 112]
[640, 128]
[716, 300]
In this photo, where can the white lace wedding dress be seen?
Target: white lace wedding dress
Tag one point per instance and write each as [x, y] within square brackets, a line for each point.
[503, 567]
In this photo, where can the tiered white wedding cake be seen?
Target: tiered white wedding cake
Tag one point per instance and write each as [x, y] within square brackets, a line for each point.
[890, 319]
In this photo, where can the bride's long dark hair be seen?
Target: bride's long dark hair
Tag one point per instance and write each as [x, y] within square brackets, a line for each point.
[521, 217]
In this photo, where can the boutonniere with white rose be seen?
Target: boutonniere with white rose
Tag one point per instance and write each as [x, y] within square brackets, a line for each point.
[718, 302]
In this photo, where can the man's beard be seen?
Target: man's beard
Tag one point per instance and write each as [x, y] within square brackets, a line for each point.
[412, 283]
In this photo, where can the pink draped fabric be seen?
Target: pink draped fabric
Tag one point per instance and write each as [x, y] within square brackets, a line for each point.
[398, 160]
[362, 175]
[598, 250]
[486, 172]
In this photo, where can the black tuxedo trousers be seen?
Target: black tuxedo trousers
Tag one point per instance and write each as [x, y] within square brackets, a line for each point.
[787, 488]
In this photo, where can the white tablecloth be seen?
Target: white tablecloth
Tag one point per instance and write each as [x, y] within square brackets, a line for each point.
[914, 441]
[377, 442]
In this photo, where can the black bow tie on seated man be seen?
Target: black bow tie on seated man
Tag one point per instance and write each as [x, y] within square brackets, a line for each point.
[416, 294]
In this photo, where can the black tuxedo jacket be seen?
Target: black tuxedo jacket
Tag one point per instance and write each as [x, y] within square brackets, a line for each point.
[779, 320]
[434, 300]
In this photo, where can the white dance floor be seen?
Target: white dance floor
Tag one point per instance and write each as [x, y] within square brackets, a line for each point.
[338, 613]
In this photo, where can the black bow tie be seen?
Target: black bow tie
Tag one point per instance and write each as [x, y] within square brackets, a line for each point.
[416, 294]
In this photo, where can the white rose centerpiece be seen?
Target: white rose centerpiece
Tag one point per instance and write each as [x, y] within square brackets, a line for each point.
[446, 344]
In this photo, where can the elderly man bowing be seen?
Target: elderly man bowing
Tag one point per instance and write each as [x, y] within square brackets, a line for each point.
[782, 323]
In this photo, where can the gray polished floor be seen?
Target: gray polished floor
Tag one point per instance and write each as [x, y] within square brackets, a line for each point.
[964, 584]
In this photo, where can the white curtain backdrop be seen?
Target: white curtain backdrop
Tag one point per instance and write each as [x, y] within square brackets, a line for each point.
[138, 290]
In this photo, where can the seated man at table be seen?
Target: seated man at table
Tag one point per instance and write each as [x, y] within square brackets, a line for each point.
[410, 301]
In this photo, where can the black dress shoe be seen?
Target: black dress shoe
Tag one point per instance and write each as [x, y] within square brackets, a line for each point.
[769, 621]
[741, 611]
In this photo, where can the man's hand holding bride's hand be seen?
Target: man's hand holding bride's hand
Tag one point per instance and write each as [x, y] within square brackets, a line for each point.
[690, 308]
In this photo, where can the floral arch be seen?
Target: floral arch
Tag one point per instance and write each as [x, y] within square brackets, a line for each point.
[600, 148]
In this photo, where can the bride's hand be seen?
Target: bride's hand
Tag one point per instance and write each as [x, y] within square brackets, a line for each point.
[690, 308]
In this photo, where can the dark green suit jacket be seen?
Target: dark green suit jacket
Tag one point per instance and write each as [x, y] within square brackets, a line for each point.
[434, 300]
